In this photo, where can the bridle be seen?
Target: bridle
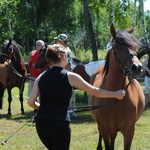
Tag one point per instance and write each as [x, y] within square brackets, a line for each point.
[6, 57]
[10, 47]
[126, 72]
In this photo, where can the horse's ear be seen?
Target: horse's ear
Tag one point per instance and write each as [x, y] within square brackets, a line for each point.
[113, 30]
[10, 40]
[131, 30]
[46, 45]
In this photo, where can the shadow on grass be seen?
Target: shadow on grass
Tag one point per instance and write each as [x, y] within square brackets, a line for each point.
[82, 117]
[26, 115]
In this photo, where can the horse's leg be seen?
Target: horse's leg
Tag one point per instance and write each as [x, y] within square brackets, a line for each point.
[113, 137]
[1, 95]
[21, 94]
[21, 102]
[107, 141]
[128, 137]
[9, 101]
[99, 147]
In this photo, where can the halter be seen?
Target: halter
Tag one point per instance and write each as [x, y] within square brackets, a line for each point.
[125, 69]
[8, 56]
[7, 47]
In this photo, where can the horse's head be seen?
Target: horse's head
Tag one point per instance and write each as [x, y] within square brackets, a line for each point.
[6, 51]
[10, 50]
[125, 47]
[41, 61]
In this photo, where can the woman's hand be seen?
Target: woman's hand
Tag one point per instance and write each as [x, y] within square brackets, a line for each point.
[120, 94]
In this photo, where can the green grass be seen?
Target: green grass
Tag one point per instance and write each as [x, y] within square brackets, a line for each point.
[84, 129]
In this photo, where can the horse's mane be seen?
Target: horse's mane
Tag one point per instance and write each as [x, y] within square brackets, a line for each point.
[17, 53]
[106, 66]
[123, 38]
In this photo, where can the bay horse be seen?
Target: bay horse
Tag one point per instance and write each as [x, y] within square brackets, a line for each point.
[12, 72]
[119, 72]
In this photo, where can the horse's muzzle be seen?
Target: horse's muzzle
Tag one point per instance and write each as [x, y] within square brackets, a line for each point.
[136, 70]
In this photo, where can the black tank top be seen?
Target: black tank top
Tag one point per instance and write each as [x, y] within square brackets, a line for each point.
[55, 94]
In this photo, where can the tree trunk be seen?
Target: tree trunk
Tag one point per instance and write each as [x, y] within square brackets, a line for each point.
[90, 29]
[143, 22]
[135, 12]
[111, 11]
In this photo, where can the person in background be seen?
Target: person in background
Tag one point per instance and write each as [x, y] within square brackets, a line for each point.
[62, 39]
[109, 45]
[146, 67]
[54, 86]
[33, 72]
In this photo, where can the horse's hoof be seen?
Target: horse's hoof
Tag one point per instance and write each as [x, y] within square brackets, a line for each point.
[9, 114]
[23, 113]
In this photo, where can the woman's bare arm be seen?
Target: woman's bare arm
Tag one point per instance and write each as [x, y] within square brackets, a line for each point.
[78, 82]
[34, 94]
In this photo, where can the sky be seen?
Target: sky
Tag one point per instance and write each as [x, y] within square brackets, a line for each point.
[146, 5]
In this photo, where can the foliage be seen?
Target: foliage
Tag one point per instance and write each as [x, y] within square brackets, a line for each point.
[29, 20]
[86, 56]
[147, 20]
[7, 17]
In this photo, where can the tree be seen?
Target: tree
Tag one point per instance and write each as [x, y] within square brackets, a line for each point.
[143, 21]
[90, 29]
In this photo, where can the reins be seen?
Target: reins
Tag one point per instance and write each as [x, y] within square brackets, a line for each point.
[14, 70]
[4, 54]
[89, 107]
[125, 69]
[130, 80]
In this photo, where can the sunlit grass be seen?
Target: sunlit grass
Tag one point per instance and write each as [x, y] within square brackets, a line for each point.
[84, 129]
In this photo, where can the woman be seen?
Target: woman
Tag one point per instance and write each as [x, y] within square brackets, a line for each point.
[55, 89]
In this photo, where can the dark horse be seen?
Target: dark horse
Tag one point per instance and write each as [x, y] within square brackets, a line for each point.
[119, 72]
[143, 51]
[12, 72]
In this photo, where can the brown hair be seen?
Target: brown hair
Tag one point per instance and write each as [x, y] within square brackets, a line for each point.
[54, 53]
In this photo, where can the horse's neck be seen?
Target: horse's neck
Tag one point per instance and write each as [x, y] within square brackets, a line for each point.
[114, 67]
[115, 73]
[18, 64]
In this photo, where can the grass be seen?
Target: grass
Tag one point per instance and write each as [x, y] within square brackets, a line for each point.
[84, 129]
